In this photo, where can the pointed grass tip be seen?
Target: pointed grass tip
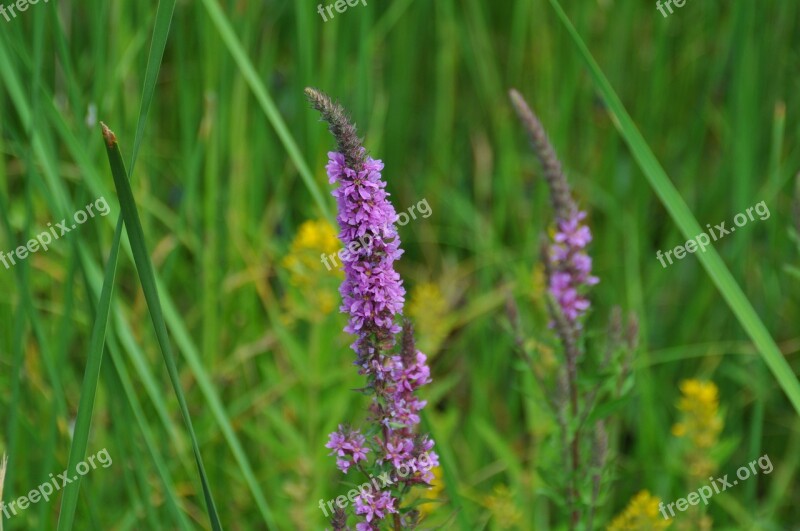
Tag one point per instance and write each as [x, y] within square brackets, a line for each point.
[108, 135]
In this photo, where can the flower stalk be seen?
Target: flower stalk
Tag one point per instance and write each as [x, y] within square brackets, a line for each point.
[580, 384]
[373, 296]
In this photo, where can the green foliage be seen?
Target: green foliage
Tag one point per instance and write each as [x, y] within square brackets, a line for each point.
[231, 163]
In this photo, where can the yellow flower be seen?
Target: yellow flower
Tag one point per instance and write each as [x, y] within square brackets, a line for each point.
[307, 272]
[700, 424]
[504, 511]
[641, 514]
[539, 281]
[428, 308]
[700, 407]
[435, 492]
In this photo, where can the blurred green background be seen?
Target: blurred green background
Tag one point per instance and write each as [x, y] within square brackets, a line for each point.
[266, 369]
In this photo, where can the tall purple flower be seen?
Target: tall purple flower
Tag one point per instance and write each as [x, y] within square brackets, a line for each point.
[568, 266]
[568, 269]
[373, 296]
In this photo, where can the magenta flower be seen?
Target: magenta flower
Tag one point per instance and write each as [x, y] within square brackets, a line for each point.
[571, 267]
[374, 506]
[346, 444]
[373, 297]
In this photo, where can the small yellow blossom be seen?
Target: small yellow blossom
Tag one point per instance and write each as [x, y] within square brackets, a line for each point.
[307, 273]
[435, 492]
[505, 513]
[700, 406]
[428, 308]
[641, 514]
[700, 425]
[539, 281]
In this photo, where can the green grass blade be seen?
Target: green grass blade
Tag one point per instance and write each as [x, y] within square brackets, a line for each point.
[686, 222]
[217, 409]
[120, 379]
[147, 278]
[157, 46]
[83, 423]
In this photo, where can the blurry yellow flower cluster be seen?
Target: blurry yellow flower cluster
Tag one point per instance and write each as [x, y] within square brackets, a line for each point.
[700, 425]
[700, 407]
[427, 307]
[641, 514]
[434, 493]
[505, 513]
[307, 274]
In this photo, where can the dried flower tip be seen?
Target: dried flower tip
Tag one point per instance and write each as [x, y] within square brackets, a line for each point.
[340, 127]
[553, 172]
[408, 349]
[339, 520]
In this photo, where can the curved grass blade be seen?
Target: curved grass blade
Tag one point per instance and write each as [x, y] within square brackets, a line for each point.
[147, 278]
[686, 222]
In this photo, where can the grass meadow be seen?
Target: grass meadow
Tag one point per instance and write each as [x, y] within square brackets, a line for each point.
[210, 302]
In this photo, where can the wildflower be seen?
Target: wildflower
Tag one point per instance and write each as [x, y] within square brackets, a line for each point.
[428, 307]
[347, 443]
[568, 277]
[700, 424]
[501, 504]
[373, 296]
[372, 292]
[434, 491]
[568, 267]
[700, 405]
[306, 273]
[641, 514]
[374, 506]
[571, 267]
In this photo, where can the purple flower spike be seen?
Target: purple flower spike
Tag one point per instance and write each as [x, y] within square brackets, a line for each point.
[571, 267]
[373, 296]
[372, 292]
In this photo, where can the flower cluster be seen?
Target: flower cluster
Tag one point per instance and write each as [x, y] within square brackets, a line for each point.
[700, 405]
[700, 425]
[428, 307]
[571, 267]
[312, 300]
[372, 292]
[373, 296]
[374, 507]
[347, 444]
[641, 513]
